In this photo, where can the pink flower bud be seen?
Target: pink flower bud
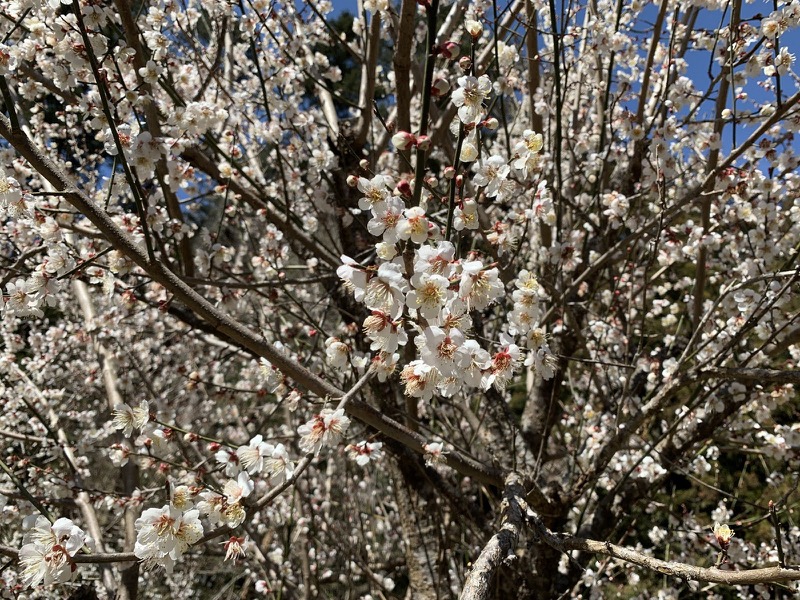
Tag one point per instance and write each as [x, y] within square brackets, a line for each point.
[403, 140]
[491, 123]
[352, 181]
[465, 62]
[450, 50]
[423, 142]
[449, 172]
[459, 181]
[440, 87]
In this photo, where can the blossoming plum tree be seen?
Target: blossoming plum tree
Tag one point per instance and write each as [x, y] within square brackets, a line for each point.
[474, 299]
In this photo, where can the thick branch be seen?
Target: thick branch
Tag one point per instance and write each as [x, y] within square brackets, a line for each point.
[778, 376]
[501, 545]
[676, 569]
[402, 63]
[367, 92]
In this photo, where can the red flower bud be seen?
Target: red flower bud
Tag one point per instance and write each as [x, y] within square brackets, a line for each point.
[404, 188]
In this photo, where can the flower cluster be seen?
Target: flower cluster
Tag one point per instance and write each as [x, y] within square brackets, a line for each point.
[47, 551]
[164, 534]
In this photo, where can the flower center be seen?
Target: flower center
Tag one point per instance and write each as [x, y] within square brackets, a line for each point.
[431, 294]
[164, 525]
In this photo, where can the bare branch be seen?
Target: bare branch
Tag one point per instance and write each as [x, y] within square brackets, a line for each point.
[765, 376]
[367, 92]
[676, 569]
[501, 545]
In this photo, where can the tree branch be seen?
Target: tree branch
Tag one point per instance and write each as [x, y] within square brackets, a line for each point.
[367, 91]
[676, 569]
[502, 544]
[778, 376]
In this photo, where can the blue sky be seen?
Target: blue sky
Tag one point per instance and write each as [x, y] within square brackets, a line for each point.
[698, 61]
[344, 5]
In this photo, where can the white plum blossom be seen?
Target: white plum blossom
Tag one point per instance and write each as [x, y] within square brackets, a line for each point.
[364, 452]
[20, 300]
[279, 465]
[376, 191]
[271, 375]
[386, 290]
[473, 27]
[507, 54]
[385, 251]
[354, 277]
[47, 551]
[469, 97]
[385, 364]
[473, 361]
[386, 334]
[211, 506]
[413, 225]
[127, 418]
[439, 349]
[150, 72]
[164, 534]
[438, 260]
[469, 152]
[181, 497]
[337, 352]
[252, 456]
[8, 60]
[578, 257]
[465, 216]
[526, 152]
[434, 453]
[503, 364]
[419, 379]
[236, 490]
[429, 295]
[325, 429]
[387, 215]
[479, 287]
[10, 191]
[230, 460]
[491, 174]
[541, 361]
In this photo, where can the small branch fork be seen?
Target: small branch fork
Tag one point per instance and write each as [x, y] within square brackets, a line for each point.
[515, 513]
